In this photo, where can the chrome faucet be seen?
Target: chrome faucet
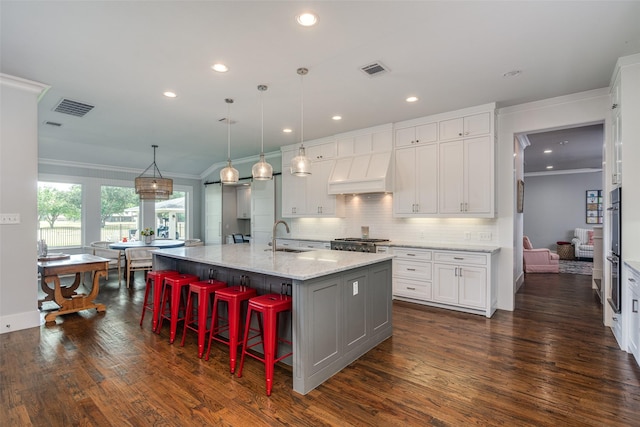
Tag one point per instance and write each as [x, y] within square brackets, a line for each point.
[273, 233]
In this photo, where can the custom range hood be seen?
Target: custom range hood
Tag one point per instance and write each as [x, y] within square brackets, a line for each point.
[365, 173]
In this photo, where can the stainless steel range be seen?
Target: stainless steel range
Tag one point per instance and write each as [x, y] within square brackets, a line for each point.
[356, 244]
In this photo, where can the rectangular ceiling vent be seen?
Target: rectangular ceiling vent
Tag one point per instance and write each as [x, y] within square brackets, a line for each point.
[56, 124]
[375, 69]
[73, 108]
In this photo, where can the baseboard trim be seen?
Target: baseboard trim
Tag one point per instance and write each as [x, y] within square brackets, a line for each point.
[19, 321]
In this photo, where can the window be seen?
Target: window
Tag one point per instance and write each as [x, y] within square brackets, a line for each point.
[60, 214]
[119, 213]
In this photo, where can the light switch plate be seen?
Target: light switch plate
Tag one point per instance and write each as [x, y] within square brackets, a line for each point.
[10, 218]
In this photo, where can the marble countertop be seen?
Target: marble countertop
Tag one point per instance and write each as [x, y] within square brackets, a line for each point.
[448, 246]
[634, 265]
[305, 265]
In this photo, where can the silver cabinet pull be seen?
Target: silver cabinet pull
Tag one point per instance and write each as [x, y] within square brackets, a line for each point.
[634, 306]
[411, 254]
[411, 269]
[458, 258]
[411, 289]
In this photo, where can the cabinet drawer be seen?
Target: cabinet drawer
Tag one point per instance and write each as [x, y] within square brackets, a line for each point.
[412, 289]
[414, 254]
[412, 269]
[461, 258]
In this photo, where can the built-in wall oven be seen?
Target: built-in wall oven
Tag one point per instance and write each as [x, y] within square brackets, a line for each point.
[615, 212]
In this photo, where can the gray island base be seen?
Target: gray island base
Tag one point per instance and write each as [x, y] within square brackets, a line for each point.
[342, 301]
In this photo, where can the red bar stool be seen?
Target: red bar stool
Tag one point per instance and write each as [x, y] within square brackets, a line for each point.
[270, 306]
[233, 296]
[155, 280]
[172, 288]
[203, 291]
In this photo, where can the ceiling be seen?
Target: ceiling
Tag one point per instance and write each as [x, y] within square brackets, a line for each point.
[121, 56]
[571, 149]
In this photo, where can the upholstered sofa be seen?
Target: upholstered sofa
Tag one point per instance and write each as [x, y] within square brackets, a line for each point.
[539, 260]
[583, 242]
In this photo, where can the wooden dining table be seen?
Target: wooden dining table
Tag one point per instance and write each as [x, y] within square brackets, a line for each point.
[67, 297]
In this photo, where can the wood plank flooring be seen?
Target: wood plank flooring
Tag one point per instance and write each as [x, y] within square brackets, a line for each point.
[549, 363]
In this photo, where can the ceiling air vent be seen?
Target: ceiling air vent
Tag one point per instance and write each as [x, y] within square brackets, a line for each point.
[73, 108]
[374, 69]
[56, 124]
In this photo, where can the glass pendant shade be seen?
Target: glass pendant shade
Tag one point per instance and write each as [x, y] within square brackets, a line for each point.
[262, 171]
[229, 175]
[153, 187]
[300, 164]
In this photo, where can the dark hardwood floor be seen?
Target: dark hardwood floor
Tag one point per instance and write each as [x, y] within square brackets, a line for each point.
[549, 363]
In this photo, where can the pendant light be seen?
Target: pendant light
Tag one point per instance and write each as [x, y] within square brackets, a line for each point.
[262, 171]
[229, 175]
[153, 187]
[300, 164]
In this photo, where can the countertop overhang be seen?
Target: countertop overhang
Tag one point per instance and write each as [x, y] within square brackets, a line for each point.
[261, 259]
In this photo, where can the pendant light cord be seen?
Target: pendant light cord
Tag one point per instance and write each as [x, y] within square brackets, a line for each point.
[229, 101]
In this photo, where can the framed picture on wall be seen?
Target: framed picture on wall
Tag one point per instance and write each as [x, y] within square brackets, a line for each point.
[520, 197]
[594, 213]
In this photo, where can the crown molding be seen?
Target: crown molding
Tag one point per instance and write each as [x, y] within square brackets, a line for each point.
[70, 164]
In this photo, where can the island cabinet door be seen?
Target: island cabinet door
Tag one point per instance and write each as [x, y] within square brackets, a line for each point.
[354, 299]
[319, 318]
[379, 293]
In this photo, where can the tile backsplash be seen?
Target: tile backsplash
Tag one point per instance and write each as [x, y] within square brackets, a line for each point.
[376, 212]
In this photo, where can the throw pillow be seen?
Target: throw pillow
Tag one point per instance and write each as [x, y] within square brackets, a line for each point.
[590, 234]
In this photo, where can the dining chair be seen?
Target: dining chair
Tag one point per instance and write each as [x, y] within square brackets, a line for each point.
[101, 249]
[138, 259]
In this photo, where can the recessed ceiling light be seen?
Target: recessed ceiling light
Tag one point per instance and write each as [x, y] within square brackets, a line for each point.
[287, 130]
[412, 99]
[547, 151]
[336, 118]
[170, 94]
[549, 167]
[220, 68]
[512, 73]
[307, 19]
[563, 142]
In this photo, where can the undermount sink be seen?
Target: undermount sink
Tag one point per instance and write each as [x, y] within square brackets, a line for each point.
[294, 251]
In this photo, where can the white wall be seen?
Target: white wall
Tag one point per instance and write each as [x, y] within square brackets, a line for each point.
[555, 205]
[18, 194]
[577, 109]
[376, 212]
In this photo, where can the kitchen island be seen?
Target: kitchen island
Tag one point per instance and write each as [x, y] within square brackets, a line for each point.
[341, 300]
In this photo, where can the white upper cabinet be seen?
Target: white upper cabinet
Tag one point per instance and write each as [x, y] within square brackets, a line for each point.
[308, 196]
[421, 134]
[445, 166]
[416, 181]
[466, 177]
[293, 188]
[243, 202]
[463, 127]
[365, 141]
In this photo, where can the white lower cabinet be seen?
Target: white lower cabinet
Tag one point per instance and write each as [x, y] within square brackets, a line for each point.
[458, 280]
[633, 283]
[412, 272]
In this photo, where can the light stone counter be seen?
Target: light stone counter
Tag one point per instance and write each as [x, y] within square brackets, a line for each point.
[305, 265]
[634, 265]
[445, 246]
